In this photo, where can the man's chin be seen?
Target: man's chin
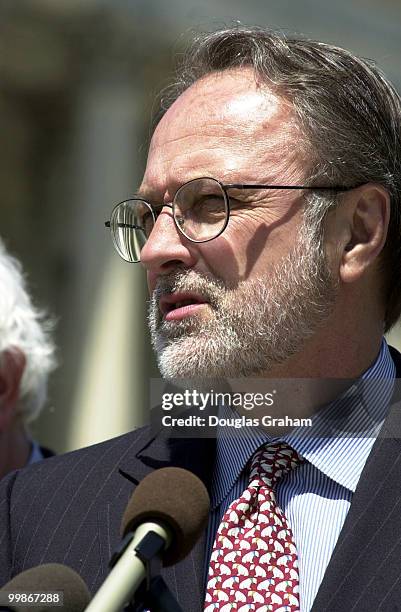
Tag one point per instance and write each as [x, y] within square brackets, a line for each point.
[183, 355]
[200, 357]
[172, 331]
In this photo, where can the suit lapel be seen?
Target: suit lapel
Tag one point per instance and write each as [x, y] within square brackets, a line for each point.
[366, 561]
[185, 579]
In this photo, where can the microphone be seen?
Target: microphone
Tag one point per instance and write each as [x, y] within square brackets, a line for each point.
[170, 502]
[43, 580]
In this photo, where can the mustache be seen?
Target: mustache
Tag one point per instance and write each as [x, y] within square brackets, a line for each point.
[206, 286]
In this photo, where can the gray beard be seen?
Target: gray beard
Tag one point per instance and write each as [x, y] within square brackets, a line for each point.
[253, 326]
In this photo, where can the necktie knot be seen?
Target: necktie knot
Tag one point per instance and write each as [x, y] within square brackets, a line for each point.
[272, 462]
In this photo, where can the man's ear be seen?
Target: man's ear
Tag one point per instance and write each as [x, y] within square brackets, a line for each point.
[365, 225]
[12, 366]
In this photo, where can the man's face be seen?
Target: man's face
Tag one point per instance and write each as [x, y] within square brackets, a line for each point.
[249, 299]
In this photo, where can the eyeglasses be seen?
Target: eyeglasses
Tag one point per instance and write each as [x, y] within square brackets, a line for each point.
[201, 211]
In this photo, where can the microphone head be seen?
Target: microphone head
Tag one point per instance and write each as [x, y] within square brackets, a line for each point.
[176, 498]
[50, 577]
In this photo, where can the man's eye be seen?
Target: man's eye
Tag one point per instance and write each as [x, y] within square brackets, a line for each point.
[209, 205]
[210, 202]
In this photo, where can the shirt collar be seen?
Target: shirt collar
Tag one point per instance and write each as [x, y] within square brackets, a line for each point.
[36, 453]
[340, 457]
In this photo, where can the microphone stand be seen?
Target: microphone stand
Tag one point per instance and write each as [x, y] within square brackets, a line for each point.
[156, 598]
[153, 594]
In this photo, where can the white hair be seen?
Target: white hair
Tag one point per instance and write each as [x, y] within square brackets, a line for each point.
[24, 327]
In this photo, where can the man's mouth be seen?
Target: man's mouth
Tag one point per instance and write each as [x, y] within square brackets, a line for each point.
[177, 306]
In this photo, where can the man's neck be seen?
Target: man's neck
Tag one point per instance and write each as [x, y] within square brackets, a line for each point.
[15, 448]
[313, 378]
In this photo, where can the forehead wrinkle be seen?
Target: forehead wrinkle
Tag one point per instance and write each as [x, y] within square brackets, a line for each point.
[221, 127]
[274, 144]
[244, 134]
[173, 140]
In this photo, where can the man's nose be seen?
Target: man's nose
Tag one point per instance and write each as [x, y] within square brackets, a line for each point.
[166, 248]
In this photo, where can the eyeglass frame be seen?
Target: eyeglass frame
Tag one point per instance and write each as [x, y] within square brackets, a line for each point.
[224, 187]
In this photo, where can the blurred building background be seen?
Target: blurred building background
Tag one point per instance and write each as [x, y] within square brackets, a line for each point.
[77, 83]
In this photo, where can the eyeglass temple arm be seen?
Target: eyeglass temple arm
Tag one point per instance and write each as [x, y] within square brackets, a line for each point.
[129, 225]
[317, 187]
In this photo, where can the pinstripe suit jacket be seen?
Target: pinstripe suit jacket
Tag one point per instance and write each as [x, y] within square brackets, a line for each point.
[68, 509]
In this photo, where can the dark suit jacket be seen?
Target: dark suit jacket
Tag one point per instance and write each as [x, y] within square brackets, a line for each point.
[68, 509]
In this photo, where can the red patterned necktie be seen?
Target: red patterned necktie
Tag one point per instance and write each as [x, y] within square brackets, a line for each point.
[254, 564]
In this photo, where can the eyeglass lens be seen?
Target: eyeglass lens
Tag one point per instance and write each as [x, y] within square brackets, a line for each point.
[130, 224]
[200, 209]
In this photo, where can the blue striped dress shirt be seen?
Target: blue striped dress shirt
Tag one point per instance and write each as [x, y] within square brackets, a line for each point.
[317, 495]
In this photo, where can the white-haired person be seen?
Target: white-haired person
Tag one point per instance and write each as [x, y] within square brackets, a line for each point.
[26, 359]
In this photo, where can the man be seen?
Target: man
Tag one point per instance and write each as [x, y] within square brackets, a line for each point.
[268, 224]
[26, 359]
